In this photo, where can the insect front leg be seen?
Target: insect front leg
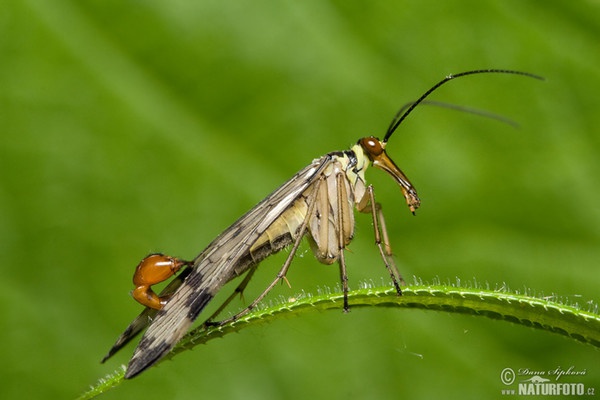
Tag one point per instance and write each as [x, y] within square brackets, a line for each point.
[368, 204]
[154, 269]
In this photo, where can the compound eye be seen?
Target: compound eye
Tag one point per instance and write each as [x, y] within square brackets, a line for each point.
[372, 146]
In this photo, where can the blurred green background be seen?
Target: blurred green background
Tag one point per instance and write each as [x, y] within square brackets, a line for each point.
[130, 127]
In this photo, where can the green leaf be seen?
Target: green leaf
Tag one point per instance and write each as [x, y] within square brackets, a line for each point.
[538, 313]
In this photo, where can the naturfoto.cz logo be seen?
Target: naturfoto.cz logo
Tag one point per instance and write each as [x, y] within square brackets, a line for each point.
[544, 382]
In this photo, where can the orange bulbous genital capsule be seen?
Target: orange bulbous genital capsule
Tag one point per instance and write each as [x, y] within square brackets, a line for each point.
[154, 269]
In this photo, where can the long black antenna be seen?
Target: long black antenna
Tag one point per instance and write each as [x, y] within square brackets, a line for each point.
[399, 117]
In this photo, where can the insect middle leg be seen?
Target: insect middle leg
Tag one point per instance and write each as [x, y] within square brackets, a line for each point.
[342, 204]
[368, 204]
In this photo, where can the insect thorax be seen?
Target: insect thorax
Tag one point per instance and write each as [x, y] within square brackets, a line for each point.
[347, 167]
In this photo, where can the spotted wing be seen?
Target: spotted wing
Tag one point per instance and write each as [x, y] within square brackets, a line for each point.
[214, 267]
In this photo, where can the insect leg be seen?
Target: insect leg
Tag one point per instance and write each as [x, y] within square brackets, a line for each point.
[395, 273]
[281, 275]
[368, 204]
[238, 290]
[342, 197]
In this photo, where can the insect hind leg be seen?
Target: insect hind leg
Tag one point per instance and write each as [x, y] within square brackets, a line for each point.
[366, 205]
[284, 269]
[239, 290]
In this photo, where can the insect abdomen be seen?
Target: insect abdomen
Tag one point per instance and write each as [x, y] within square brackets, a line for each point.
[282, 232]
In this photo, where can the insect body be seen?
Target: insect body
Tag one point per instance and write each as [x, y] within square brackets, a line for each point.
[317, 202]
